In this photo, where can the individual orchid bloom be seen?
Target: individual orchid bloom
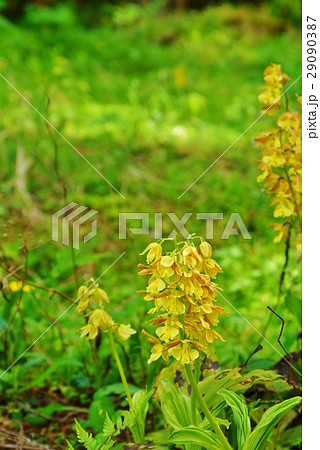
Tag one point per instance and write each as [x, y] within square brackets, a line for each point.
[170, 330]
[166, 267]
[156, 285]
[90, 331]
[284, 207]
[298, 244]
[124, 332]
[184, 353]
[100, 319]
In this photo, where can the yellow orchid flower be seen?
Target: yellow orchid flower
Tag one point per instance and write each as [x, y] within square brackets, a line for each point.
[184, 353]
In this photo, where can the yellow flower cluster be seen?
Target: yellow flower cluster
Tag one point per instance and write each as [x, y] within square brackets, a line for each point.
[183, 294]
[281, 162]
[275, 80]
[95, 299]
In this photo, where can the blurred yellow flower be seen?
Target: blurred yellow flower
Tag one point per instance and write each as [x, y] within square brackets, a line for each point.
[99, 319]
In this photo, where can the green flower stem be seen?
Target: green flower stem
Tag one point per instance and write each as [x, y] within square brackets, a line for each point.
[120, 369]
[193, 394]
[205, 408]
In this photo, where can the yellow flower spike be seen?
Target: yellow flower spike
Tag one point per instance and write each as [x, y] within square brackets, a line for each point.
[90, 331]
[183, 293]
[124, 332]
